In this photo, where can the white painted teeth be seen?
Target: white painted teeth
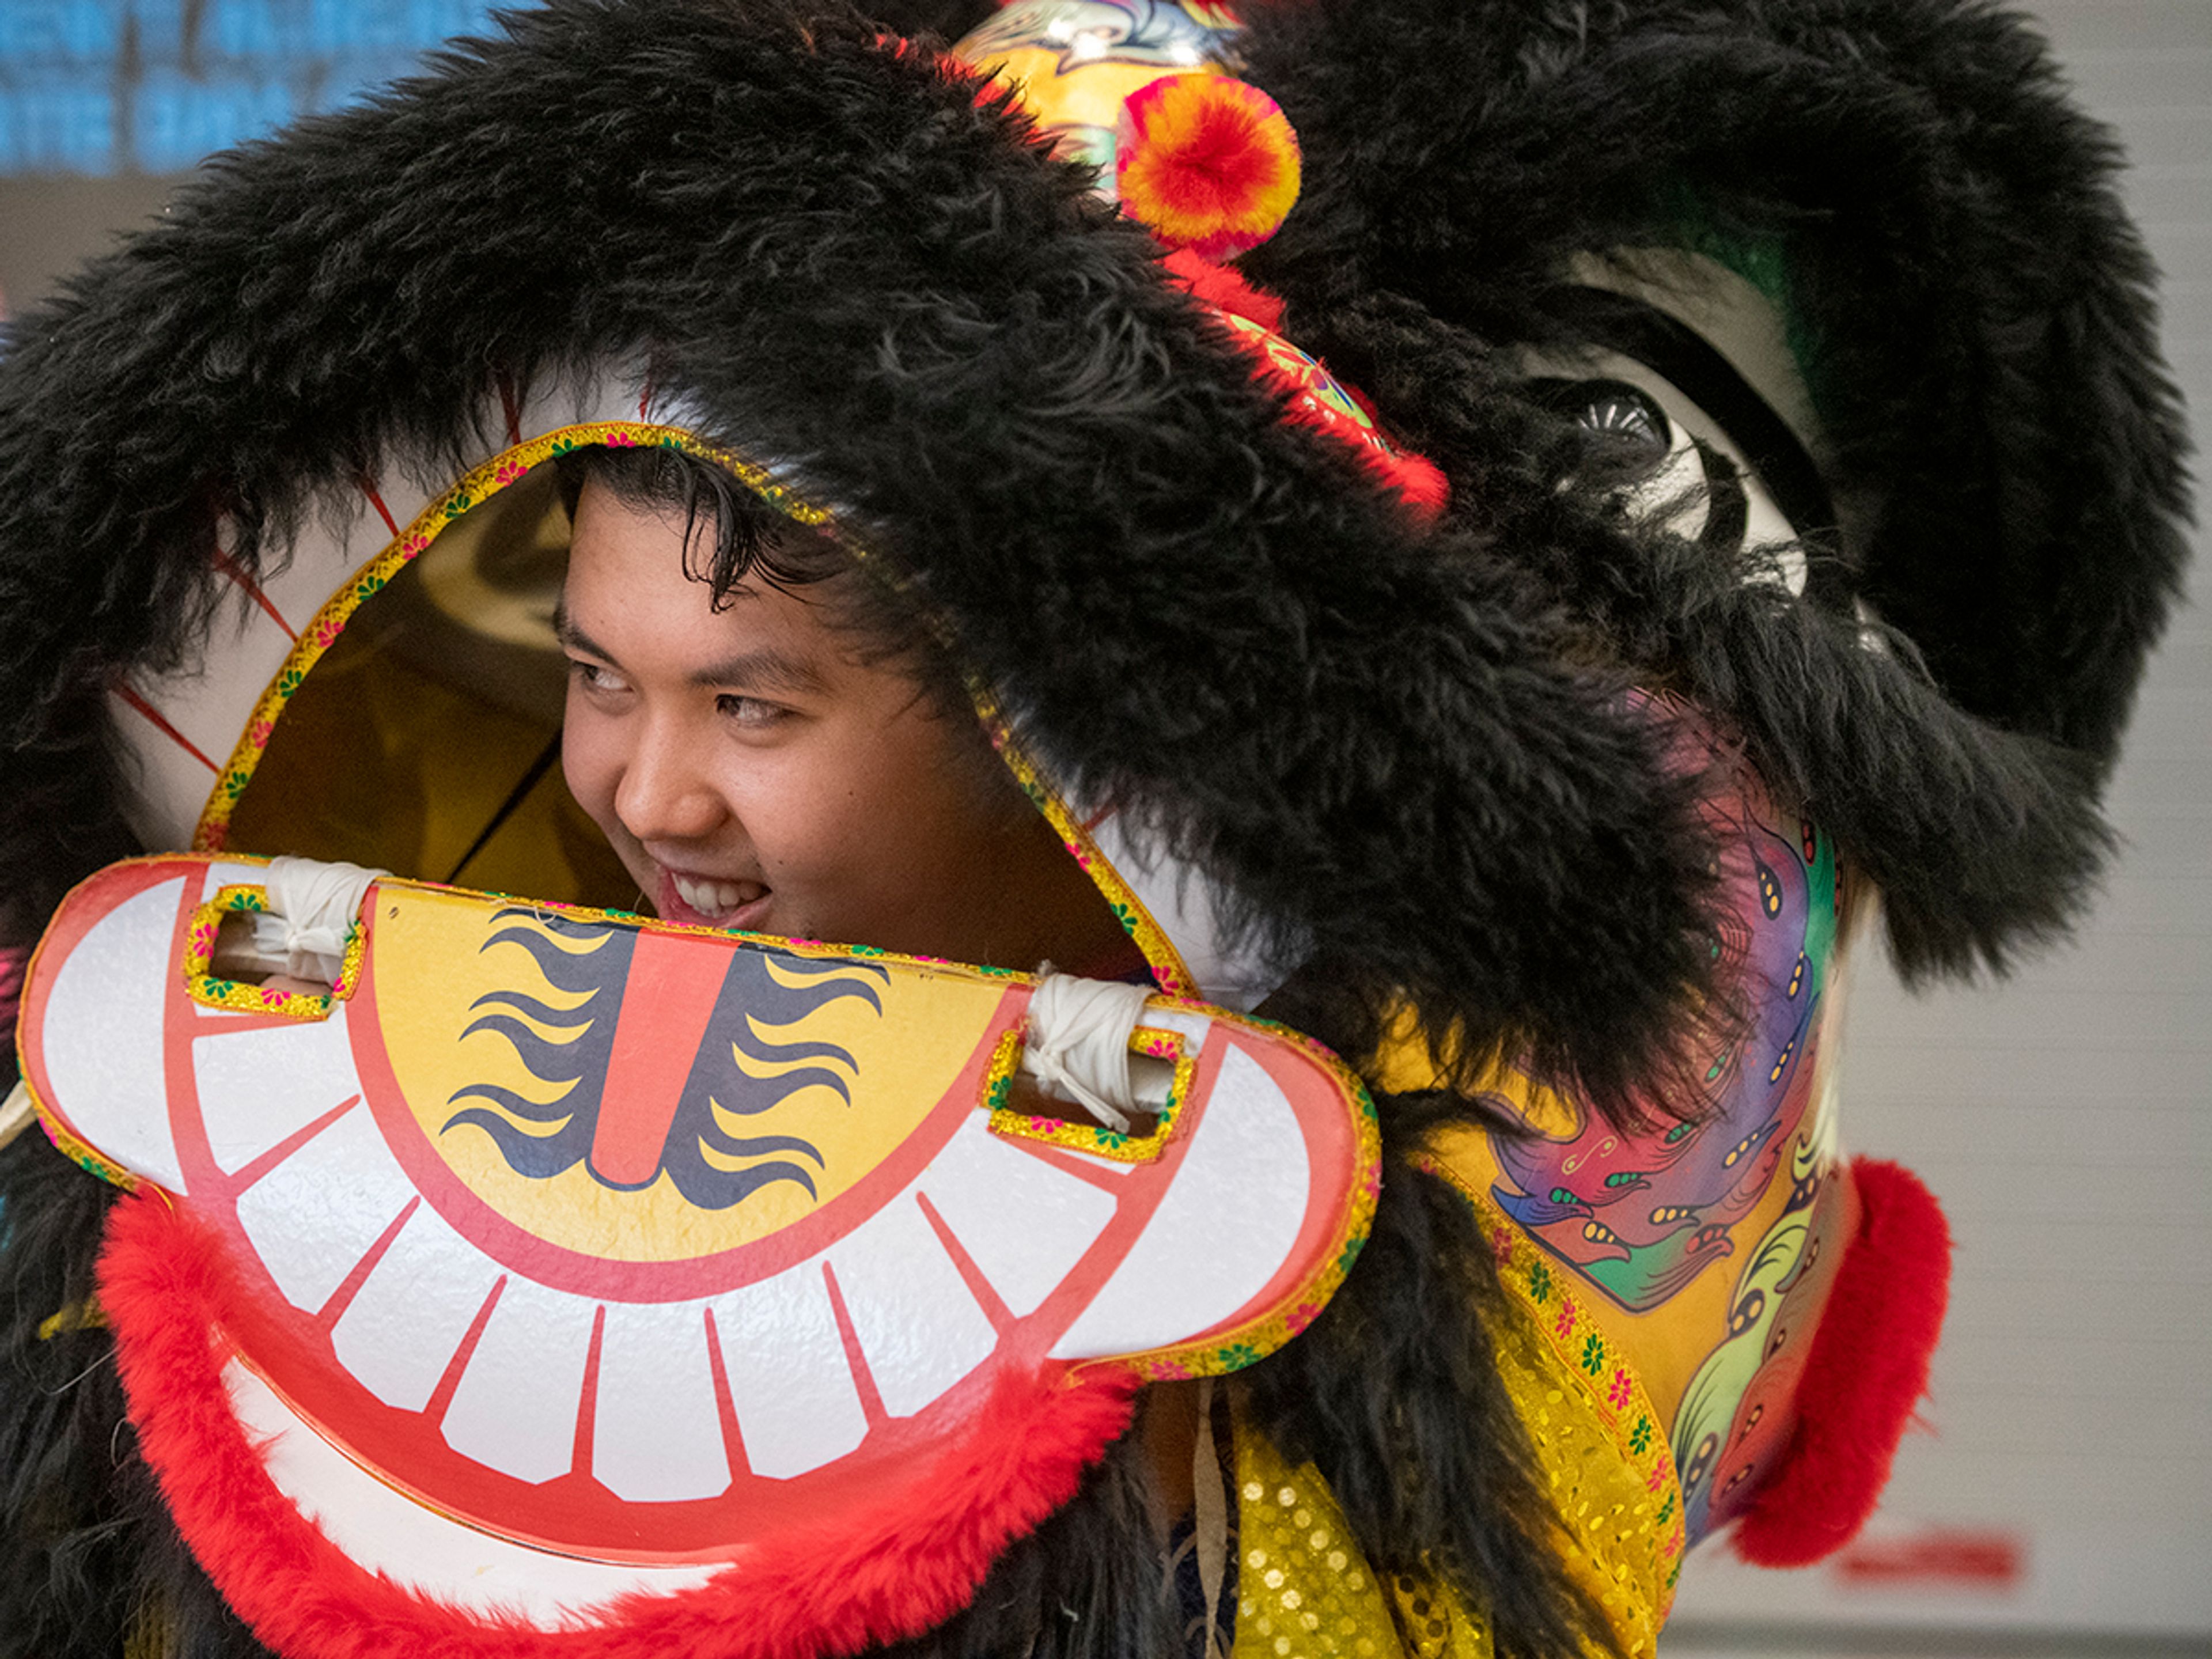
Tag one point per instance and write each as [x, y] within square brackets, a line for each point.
[715, 898]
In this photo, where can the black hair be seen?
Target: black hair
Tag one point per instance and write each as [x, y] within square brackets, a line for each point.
[733, 535]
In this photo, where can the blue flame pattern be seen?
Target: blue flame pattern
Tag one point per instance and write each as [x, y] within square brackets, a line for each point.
[541, 1139]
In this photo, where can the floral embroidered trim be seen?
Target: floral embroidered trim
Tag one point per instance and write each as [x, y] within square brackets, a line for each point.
[78, 1152]
[1095, 1140]
[508, 467]
[211, 990]
[1586, 1360]
[1233, 1350]
[1169, 972]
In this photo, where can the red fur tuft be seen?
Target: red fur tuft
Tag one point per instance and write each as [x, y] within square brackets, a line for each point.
[1868, 1369]
[908, 1565]
[1224, 288]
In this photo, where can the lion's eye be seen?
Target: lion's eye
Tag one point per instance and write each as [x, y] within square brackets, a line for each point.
[1632, 432]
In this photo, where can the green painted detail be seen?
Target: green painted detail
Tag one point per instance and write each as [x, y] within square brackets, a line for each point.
[1237, 1355]
[1540, 1282]
[1593, 1354]
[1639, 1437]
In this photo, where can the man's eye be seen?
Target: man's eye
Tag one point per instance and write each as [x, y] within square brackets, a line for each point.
[749, 711]
[596, 677]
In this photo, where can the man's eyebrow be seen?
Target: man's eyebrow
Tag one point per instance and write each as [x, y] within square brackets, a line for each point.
[573, 638]
[762, 669]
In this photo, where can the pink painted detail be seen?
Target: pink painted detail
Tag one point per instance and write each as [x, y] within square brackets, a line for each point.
[229, 566]
[153, 717]
[368, 490]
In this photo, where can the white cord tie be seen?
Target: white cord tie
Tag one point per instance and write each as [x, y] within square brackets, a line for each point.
[1078, 1046]
[311, 909]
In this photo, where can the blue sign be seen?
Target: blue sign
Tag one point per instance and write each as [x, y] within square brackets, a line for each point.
[153, 86]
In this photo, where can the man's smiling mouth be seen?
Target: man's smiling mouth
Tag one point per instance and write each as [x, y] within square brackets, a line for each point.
[704, 900]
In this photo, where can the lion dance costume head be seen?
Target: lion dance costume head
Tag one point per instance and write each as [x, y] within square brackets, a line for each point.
[1503, 540]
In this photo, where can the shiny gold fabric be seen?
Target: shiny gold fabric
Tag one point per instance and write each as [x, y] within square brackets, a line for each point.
[1305, 1592]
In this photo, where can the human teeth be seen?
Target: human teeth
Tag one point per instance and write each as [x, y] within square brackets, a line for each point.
[715, 898]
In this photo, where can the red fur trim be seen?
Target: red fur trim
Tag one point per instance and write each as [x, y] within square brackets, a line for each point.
[1419, 480]
[907, 1565]
[1226, 288]
[1868, 1369]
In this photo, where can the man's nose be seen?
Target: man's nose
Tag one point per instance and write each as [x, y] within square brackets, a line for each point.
[665, 793]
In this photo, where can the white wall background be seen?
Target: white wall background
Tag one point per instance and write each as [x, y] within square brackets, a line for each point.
[2065, 1121]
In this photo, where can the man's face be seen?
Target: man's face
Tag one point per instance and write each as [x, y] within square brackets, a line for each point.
[752, 771]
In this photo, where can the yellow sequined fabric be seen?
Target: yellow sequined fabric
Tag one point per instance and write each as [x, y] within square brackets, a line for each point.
[1305, 1591]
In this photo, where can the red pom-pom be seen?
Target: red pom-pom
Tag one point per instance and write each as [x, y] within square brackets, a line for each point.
[1207, 163]
[1867, 1371]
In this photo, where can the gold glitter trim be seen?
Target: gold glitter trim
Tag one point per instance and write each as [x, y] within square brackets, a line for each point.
[1601, 1443]
[1231, 1350]
[212, 991]
[79, 1152]
[1169, 972]
[508, 467]
[1093, 1140]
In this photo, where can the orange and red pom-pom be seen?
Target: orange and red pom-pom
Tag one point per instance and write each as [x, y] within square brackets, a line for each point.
[1207, 163]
